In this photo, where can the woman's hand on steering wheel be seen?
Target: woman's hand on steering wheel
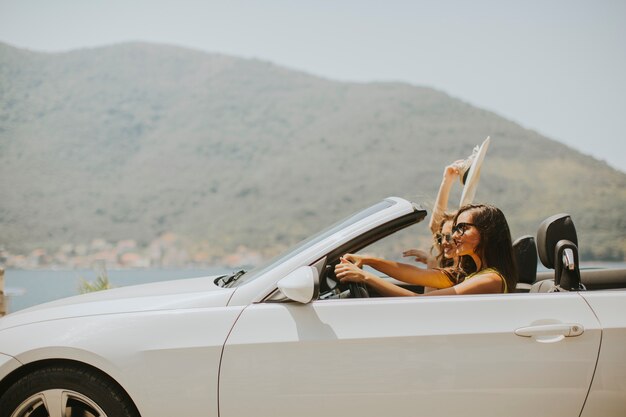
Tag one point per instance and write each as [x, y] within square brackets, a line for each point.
[347, 271]
[353, 259]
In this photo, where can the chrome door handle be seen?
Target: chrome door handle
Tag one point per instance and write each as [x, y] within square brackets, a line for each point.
[541, 330]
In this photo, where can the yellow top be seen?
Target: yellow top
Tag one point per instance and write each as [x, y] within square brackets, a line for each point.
[491, 270]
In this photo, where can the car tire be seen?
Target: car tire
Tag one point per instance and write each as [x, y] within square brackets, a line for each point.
[80, 391]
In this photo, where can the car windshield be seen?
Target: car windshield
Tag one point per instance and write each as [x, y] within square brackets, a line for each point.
[307, 243]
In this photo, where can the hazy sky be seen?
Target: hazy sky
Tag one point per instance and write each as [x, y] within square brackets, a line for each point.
[558, 67]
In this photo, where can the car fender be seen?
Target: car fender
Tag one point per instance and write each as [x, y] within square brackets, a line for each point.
[180, 362]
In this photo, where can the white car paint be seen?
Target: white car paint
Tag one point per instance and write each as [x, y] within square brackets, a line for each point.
[173, 332]
[168, 295]
[407, 357]
[8, 364]
[190, 348]
[607, 396]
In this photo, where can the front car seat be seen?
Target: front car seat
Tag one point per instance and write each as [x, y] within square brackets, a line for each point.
[557, 244]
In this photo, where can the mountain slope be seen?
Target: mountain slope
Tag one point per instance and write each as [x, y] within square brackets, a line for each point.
[134, 140]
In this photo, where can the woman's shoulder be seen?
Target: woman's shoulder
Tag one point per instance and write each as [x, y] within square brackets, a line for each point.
[491, 273]
[485, 272]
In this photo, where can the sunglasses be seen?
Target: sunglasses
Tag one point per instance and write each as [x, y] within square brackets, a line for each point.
[461, 228]
[443, 237]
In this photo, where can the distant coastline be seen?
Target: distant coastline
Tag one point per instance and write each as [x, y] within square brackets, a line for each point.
[167, 251]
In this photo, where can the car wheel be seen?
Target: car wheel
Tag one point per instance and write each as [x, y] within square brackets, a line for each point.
[65, 391]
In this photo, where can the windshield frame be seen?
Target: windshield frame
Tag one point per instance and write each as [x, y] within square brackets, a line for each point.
[311, 241]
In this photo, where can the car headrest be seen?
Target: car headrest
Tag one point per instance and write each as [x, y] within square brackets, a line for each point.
[525, 250]
[551, 231]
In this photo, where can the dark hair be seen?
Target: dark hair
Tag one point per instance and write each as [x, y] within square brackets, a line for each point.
[495, 247]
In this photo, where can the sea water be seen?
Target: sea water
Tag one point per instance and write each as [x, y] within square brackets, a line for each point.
[26, 288]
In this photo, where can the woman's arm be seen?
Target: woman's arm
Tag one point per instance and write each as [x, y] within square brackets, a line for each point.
[450, 173]
[402, 272]
[488, 283]
[349, 272]
[421, 256]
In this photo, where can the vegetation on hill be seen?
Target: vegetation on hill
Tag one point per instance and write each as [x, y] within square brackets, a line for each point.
[136, 140]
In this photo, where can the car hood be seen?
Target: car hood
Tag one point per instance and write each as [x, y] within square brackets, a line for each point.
[168, 295]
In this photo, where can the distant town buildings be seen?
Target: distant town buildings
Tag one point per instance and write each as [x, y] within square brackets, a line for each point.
[167, 251]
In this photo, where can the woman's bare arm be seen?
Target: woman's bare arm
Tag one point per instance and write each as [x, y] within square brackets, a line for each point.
[450, 174]
[488, 283]
[400, 271]
[349, 272]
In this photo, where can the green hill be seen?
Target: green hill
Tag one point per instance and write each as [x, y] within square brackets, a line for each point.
[134, 140]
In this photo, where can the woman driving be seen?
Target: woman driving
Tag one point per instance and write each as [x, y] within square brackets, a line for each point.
[479, 232]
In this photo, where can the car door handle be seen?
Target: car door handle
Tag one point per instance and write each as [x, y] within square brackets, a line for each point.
[551, 332]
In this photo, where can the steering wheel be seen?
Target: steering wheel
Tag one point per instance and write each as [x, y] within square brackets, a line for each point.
[358, 290]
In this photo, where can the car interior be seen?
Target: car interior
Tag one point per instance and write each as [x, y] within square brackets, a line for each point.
[555, 245]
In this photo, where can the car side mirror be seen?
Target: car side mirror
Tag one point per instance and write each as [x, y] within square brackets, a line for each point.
[301, 285]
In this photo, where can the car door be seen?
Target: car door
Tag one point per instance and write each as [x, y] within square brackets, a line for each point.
[417, 356]
[607, 397]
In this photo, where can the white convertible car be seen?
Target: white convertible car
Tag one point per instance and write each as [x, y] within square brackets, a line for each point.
[287, 340]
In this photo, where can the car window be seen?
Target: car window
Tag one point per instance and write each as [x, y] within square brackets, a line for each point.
[307, 243]
[389, 247]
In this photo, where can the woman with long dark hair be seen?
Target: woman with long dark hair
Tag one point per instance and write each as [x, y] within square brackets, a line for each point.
[483, 233]
[480, 233]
